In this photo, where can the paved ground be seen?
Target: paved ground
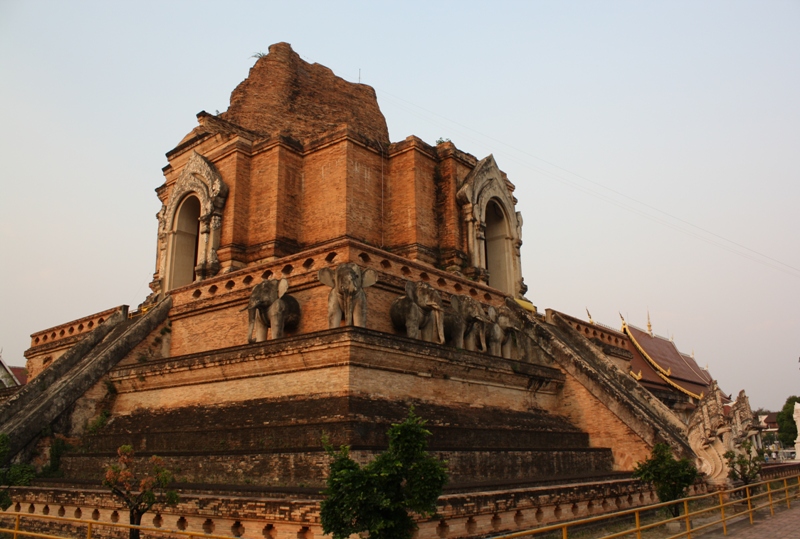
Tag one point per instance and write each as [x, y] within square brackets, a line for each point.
[784, 525]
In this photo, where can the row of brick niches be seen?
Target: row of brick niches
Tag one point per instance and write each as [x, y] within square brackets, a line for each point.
[274, 515]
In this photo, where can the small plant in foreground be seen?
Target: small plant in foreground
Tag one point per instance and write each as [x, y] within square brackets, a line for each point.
[376, 498]
[671, 478]
[745, 466]
[139, 494]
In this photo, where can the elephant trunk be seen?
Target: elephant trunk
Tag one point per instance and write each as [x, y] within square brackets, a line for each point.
[438, 321]
[346, 301]
[483, 326]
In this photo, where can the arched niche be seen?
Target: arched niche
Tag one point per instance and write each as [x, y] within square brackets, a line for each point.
[492, 228]
[184, 242]
[498, 248]
[199, 189]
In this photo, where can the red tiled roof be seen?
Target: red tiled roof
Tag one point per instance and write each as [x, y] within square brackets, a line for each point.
[683, 370]
[21, 374]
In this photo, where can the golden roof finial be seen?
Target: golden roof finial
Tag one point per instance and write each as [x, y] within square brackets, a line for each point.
[590, 316]
[649, 326]
[692, 353]
[623, 321]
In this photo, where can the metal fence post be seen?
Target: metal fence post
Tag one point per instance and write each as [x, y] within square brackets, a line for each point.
[786, 493]
[749, 504]
[89, 531]
[769, 494]
[638, 526]
[722, 516]
[16, 525]
[688, 520]
[564, 533]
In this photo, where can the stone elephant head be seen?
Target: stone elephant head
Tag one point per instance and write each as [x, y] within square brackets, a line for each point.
[419, 313]
[466, 323]
[273, 308]
[347, 297]
[496, 336]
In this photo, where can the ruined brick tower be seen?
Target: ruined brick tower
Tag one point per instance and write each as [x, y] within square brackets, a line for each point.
[302, 158]
[314, 278]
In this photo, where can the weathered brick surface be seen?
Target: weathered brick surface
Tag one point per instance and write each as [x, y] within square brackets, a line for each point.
[283, 95]
[350, 360]
[313, 182]
[292, 513]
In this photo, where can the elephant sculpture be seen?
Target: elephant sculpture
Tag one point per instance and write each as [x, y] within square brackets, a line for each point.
[270, 307]
[466, 323]
[518, 344]
[495, 335]
[514, 340]
[347, 297]
[419, 313]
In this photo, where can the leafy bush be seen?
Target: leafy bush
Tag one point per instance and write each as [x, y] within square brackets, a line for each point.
[99, 422]
[745, 466]
[787, 428]
[12, 474]
[376, 498]
[670, 478]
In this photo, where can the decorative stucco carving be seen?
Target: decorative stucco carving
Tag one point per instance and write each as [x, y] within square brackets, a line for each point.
[201, 179]
[484, 184]
[709, 436]
[712, 432]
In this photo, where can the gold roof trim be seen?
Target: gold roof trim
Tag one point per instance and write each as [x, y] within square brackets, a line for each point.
[679, 388]
[656, 366]
[635, 376]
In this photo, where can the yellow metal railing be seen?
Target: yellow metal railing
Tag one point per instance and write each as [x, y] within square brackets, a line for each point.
[724, 502]
[18, 533]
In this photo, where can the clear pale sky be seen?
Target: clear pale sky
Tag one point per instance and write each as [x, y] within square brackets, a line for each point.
[604, 115]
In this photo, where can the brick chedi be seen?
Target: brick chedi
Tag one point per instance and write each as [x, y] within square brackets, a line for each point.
[313, 279]
[285, 96]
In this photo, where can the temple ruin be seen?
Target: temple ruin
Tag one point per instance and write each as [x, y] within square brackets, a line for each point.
[313, 278]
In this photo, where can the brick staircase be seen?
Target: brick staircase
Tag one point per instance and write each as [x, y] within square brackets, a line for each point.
[47, 396]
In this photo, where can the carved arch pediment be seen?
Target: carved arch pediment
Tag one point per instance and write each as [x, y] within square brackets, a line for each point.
[198, 178]
[484, 184]
[202, 179]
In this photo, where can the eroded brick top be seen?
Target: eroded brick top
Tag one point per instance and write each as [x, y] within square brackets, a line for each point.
[284, 95]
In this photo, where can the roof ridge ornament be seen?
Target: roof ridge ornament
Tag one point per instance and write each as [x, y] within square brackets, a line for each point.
[649, 325]
[590, 316]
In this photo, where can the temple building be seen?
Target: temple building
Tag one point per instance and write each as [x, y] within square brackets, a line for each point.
[654, 361]
[314, 279]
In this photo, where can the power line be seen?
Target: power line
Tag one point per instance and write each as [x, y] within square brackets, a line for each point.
[728, 245]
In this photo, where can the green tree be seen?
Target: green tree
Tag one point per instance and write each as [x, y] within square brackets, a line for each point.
[745, 466]
[670, 477]
[12, 474]
[768, 438]
[139, 494]
[377, 497]
[787, 429]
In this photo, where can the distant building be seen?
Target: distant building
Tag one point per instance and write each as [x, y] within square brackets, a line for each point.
[12, 376]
